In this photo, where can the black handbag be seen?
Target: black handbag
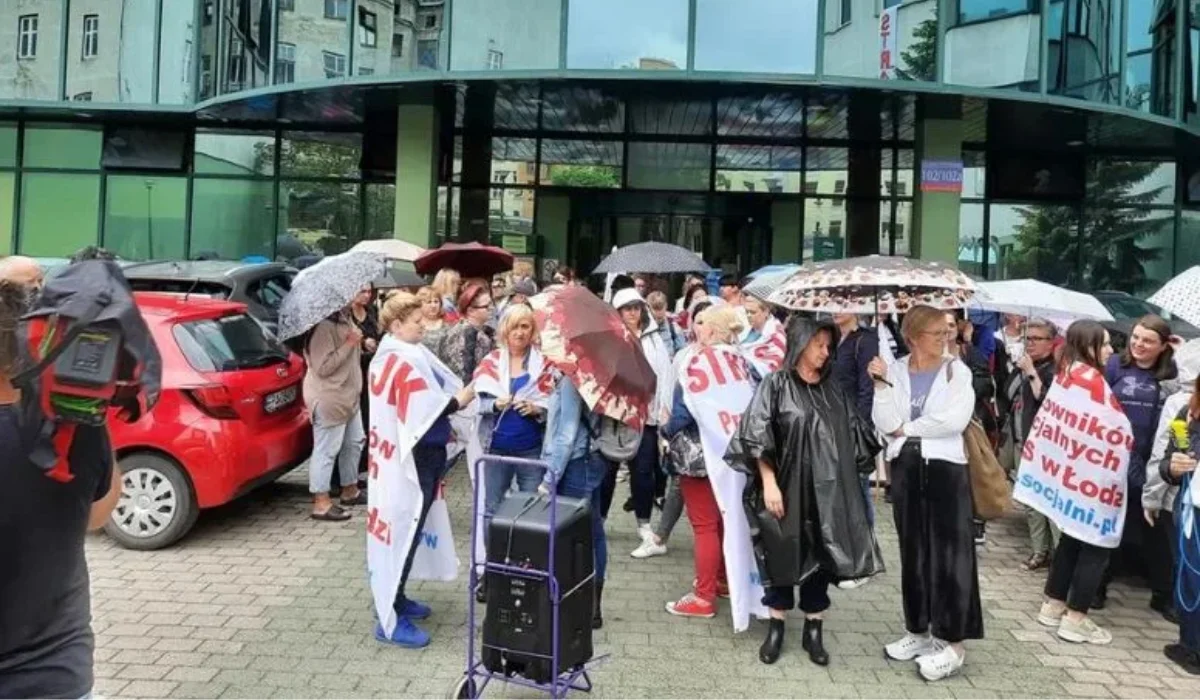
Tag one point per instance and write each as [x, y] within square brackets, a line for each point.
[867, 445]
[686, 452]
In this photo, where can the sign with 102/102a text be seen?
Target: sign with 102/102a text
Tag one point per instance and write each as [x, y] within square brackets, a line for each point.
[941, 176]
[1074, 460]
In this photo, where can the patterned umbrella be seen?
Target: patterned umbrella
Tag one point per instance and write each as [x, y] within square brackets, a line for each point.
[873, 284]
[324, 288]
[1181, 296]
[652, 258]
[586, 340]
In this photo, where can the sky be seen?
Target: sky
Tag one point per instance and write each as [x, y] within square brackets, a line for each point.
[747, 35]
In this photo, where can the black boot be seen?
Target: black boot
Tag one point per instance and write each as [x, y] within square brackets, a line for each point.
[768, 653]
[1165, 606]
[1183, 657]
[814, 644]
[597, 616]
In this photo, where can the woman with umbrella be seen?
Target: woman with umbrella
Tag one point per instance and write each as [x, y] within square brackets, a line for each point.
[365, 317]
[803, 446]
[470, 340]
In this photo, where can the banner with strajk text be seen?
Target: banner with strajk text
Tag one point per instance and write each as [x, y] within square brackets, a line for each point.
[1074, 461]
[716, 390]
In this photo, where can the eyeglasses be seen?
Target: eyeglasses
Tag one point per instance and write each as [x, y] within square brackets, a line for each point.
[939, 334]
[1039, 338]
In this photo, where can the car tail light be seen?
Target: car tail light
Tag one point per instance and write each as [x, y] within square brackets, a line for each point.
[214, 400]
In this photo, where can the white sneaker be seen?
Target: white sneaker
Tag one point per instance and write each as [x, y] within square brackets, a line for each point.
[1051, 613]
[941, 665]
[1083, 631]
[851, 584]
[622, 473]
[910, 646]
[645, 532]
[649, 548]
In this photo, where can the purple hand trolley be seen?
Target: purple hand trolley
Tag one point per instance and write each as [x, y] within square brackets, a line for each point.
[561, 681]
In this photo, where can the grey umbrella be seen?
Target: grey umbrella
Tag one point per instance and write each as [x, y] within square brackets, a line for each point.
[324, 288]
[651, 258]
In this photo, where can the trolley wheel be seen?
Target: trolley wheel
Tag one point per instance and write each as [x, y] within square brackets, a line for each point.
[463, 688]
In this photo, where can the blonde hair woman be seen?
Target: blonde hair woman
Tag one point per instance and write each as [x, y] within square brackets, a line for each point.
[923, 402]
[446, 284]
[433, 318]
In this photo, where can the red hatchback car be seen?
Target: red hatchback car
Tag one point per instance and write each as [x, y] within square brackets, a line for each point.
[230, 418]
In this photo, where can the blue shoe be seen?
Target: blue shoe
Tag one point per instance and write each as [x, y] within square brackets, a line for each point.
[405, 635]
[414, 610]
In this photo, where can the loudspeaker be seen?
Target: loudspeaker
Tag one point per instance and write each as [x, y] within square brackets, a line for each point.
[519, 616]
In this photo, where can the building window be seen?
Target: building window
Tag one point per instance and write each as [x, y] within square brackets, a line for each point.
[337, 9]
[902, 188]
[236, 70]
[206, 74]
[981, 10]
[835, 228]
[398, 45]
[285, 63]
[335, 65]
[428, 21]
[91, 36]
[891, 3]
[27, 26]
[366, 28]
[209, 11]
[495, 59]
[427, 53]
[845, 13]
[288, 5]
[362, 70]
[83, 96]
[810, 187]
[839, 187]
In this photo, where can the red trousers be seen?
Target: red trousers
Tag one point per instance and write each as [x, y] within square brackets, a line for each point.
[707, 531]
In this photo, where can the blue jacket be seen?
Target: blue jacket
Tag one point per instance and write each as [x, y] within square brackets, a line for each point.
[681, 417]
[1142, 397]
[568, 436]
[854, 353]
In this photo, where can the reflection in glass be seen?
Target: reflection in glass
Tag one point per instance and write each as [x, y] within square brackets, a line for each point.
[313, 39]
[7, 186]
[578, 108]
[669, 166]
[107, 54]
[33, 44]
[824, 229]
[8, 145]
[144, 217]
[324, 216]
[902, 160]
[1039, 241]
[1085, 48]
[1187, 253]
[234, 153]
[508, 35]
[232, 219]
[1150, 57]
[627, 34]
[1138, 263]
[673, 116]
[974, 175]
[176, 55]
[510, 211]
[827, 171]
[62, 147]
[59, 213]
[316, 154]
[1130, 183]
[971, 248]
[770, 36]
[769, 114]
[381, 210]
[581, 163]
[774, 169]
[374, 29]
[514, 161]
[976, 10]
[895, 234]
[854, 48]
[999, 50]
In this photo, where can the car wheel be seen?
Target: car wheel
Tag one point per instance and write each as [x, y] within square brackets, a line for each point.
[157, 505]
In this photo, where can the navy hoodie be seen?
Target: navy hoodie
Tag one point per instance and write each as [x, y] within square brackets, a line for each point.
[850, 368]
[1141, 395]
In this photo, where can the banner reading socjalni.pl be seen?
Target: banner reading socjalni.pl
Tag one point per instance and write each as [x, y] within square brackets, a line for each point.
[1073, 463]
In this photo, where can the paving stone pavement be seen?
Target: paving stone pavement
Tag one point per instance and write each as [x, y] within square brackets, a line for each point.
[261, 601]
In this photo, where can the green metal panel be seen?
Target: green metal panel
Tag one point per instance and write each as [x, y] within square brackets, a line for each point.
[416, 173]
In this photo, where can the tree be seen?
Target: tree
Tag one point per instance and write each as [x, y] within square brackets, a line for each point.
[585, 176]
[1107, 254]
[920, 60]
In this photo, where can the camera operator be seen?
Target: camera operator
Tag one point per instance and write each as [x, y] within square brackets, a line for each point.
[46, 641]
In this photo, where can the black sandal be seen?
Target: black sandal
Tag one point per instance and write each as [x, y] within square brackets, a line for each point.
[1036, 561]
[359, 500]
[335, 514]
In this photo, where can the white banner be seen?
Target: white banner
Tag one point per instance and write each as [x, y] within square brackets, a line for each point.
[716, 389]
[1074, 460]
[767, 353]
[406, 397]
[888, 27]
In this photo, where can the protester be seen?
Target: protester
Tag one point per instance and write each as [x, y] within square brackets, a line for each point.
[520, 293]
[574, 462]
[1172, 470]
[433, 319]
[46, 640]
[500, 283]
[922, 410]
[644, 467]
[690, 282]
[961, 347]
[641, 284]
[672, 335]
[25, 272]
[856, 347]
[1142, 377]
[365, 317]
[470, 340]
[565, 276]
[757, 315]
[692, 296]
[421, 428]
[802, 445]
[1011, 337]
[332, 388]
[1035, 373]
[1078, 567]
[731, 290]
[447, 283]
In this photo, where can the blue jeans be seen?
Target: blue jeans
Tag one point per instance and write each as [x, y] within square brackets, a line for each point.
[431, 467]
[865, 481]
[499, 478]
[643, 474]
[584, 478]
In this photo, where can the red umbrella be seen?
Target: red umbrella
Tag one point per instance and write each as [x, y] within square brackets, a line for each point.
[470, 259]
[586, 340]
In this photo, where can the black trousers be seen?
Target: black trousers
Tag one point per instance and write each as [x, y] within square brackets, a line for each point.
[1076, 573]
[814, 594]
[431, 467]
[932, 507]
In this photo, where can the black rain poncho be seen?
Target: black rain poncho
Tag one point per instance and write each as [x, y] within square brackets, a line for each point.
[807, 433]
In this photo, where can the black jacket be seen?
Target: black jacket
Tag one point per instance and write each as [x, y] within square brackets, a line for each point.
[807, 432]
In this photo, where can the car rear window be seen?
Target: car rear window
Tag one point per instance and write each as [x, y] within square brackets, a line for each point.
[181, 286]
[270, 291]
[227, 343]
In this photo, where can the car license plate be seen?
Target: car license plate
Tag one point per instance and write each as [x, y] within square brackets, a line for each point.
[280, 400]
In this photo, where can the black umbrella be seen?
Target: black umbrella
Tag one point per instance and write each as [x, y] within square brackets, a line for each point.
[652, 258]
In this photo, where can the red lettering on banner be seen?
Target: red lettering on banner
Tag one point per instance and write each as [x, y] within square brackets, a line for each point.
[402, 390]
[379, 381]
[737, 366]
[1090, 380]
[715, 364]
[697, 378]
[372, 466]
[729, 421]
[378, 528]
[487, 367]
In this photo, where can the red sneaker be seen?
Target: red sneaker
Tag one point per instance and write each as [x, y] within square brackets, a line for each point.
[691, 606]
[722, 588]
